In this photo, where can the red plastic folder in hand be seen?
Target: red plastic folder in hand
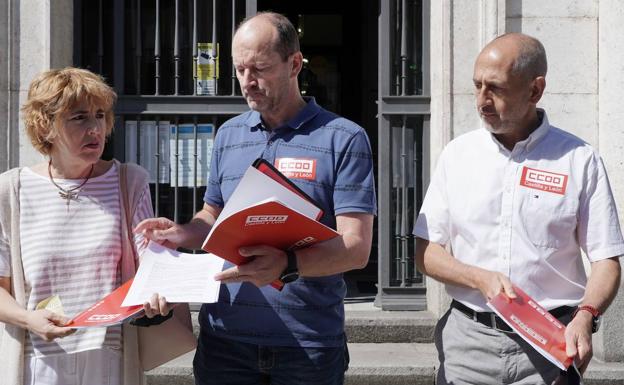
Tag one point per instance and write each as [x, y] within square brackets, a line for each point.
[108, 311]
[534, 324]
[266, 209]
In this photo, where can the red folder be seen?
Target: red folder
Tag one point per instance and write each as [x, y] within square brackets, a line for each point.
[266, 222]
[534, 324]
[108, 311]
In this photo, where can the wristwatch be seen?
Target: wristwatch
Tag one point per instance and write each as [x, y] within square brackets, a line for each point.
[291, 273]
[596, 317]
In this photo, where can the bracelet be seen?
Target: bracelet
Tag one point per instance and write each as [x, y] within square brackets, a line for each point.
[594, 312]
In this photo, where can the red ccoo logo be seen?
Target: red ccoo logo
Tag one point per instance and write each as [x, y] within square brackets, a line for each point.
[102, 317]
[297, 168]
[265, 220]
[544, 180]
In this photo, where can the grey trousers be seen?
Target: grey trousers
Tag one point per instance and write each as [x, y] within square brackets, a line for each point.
[472, 353]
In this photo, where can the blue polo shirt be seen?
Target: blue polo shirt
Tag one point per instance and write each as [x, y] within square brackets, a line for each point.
[338, 165]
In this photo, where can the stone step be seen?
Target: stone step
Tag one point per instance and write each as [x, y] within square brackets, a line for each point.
[382, 364]
[391, 364]
[371, 364]
[604, 373]
[365, 323]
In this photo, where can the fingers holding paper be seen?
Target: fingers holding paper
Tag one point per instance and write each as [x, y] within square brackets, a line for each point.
[157, 305]
[490, 283]
[267, 266]
[48, 325]
[578, 336]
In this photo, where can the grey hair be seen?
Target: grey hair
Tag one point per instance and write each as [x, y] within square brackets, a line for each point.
[531, 61]
[287, 41]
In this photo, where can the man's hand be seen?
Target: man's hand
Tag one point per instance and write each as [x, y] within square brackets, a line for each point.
[491, 283]
[47, 325]
[267, 266]
[578, 336]
[435, 261]
[170, 234]
[163, 231]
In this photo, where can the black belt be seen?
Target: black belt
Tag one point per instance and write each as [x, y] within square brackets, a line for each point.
[493, 321]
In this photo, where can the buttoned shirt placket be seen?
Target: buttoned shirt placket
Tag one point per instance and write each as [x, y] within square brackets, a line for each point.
[510, 177]
[269, 149]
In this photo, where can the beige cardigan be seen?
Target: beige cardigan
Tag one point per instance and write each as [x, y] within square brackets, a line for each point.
[132, 179]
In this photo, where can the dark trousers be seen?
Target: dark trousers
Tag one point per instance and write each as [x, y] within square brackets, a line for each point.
[223, 361]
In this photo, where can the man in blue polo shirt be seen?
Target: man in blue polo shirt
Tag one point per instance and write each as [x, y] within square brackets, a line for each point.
[256, 334]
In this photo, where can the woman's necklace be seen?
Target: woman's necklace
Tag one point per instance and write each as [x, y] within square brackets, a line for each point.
[72, 193]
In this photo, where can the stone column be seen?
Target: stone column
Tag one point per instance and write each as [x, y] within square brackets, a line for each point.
[4, 82]
[609, 342]
[44, 40]
[440, 131]
[493, 17]
[8, 94]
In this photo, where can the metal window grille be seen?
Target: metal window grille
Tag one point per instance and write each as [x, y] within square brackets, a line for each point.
[169, 61]
[403, 125]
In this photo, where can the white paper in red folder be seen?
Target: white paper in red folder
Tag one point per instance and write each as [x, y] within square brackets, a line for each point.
[255, 186]
[534, 324]
[262, 211]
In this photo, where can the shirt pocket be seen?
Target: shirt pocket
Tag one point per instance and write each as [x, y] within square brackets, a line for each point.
[549, 219]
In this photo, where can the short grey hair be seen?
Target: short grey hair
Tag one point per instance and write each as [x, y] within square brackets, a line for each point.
[531, 61]
[287, 41]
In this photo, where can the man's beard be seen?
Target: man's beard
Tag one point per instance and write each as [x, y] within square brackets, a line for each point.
[501, 127]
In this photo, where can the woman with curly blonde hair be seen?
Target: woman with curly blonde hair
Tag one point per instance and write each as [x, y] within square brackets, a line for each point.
[62, 234]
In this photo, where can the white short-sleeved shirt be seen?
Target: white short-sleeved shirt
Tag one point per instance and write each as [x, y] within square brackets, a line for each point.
[525, 213]
[71, 251]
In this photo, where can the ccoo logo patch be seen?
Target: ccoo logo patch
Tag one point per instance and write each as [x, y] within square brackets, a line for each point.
[297, 168]
[544, 180]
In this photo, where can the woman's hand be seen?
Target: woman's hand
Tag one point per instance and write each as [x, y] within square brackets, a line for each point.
[47, 325]
[157, 305]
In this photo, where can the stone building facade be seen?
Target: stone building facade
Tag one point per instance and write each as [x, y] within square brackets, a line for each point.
[585, 83]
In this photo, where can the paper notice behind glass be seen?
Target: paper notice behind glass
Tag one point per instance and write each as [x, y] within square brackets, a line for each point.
[182, 152]
[207, 69]
[131, 136]
[145, 153]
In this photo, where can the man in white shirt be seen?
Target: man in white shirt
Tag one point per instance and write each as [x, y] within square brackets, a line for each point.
[516, 202]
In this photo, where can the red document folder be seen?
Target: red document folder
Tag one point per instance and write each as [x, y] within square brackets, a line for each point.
[282, 216]
[534, 324]
[108, 311]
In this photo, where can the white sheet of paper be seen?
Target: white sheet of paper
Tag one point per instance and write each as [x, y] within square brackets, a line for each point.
[179, 277]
